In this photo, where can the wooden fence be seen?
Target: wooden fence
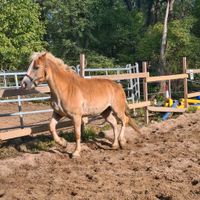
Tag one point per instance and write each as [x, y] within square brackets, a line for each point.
[147, 79]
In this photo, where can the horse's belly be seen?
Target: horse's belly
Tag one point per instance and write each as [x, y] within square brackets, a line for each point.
[94, 109]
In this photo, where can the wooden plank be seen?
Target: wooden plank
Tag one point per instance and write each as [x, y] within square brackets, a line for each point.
[45, 127]
[165, 78]
[139, 104]
[195, 71]
[166, 109]
[32, 130]
[193, 94]
[15, 92]
[15, 133]
[121, 76]
[43, 89]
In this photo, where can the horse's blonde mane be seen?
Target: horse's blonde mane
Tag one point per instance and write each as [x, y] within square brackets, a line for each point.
[59, 62]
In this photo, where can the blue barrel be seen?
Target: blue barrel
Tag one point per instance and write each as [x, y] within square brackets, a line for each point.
[166, 115]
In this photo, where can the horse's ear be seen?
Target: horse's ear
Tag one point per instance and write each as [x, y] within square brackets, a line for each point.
[43, 54]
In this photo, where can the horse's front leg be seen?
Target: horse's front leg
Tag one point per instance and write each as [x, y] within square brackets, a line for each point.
[77, 130]
[83, 123]
[54, 121]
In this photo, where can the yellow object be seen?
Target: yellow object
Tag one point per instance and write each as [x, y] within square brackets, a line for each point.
[192, 101]
[169, 103]
[181, 105]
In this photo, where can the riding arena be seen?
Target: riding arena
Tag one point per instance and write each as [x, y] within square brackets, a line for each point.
[84, 133]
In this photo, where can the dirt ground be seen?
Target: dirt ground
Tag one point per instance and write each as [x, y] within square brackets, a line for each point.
[161, 164]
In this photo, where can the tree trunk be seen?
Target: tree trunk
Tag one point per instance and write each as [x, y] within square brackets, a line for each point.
[162, 68]
[156, 11]
[128, 4]
[171, 9]
[168, 15]
[149, 12]
[164, 42]
[138, 4]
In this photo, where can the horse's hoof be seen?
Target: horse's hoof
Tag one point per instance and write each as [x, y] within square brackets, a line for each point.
[122, 143]
[115, 146]
[63, 143]
[76, 155]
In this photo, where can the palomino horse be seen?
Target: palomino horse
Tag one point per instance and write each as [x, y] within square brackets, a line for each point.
[76, 97]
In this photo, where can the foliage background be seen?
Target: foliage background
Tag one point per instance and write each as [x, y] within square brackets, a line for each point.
[109, 32]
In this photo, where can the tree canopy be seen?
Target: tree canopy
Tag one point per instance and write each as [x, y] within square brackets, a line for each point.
[21, 32]
[109, 32]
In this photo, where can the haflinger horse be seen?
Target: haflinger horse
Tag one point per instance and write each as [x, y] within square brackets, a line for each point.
[76, 97]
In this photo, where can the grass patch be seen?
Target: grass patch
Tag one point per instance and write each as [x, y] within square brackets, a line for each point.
[192, 109]
[29, 144]
[8, 151]
[88, 134]
[42, 145]
[69, 136]
[106, 127]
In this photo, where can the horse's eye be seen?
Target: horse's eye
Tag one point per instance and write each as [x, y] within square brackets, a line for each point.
[36, 67]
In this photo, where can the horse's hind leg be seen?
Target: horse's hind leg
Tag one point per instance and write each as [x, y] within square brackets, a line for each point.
[108, 115]
[77, 128]
[120, 114]
[54, 120]
[122, 140]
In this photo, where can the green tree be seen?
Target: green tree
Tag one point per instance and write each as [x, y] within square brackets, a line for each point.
[181, 42]
[116, 30]
[21, 32]
[196, 13]
[103, 29]
[119, 32]
[68, 27]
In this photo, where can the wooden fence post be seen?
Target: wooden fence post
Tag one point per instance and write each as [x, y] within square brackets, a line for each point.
[185, 83]
[82, 73]
[145, 91]
[82, 65]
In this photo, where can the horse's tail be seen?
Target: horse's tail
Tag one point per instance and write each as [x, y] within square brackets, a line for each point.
[130, 121]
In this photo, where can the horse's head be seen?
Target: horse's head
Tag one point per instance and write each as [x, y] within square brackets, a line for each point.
[36, 73]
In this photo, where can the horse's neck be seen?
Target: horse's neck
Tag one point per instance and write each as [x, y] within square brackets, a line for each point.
[59, 78]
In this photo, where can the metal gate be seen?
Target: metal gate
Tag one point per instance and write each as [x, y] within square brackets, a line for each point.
[131, 86]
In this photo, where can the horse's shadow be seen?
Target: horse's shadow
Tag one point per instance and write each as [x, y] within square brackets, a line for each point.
[38, 143]
[102, 142]
[99, 142]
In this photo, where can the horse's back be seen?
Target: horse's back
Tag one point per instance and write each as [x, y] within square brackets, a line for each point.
[102, 93]
[102, 87]
[91, 96]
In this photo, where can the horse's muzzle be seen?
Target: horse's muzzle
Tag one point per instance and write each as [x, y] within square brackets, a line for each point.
[23, 84]
[27, 83]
